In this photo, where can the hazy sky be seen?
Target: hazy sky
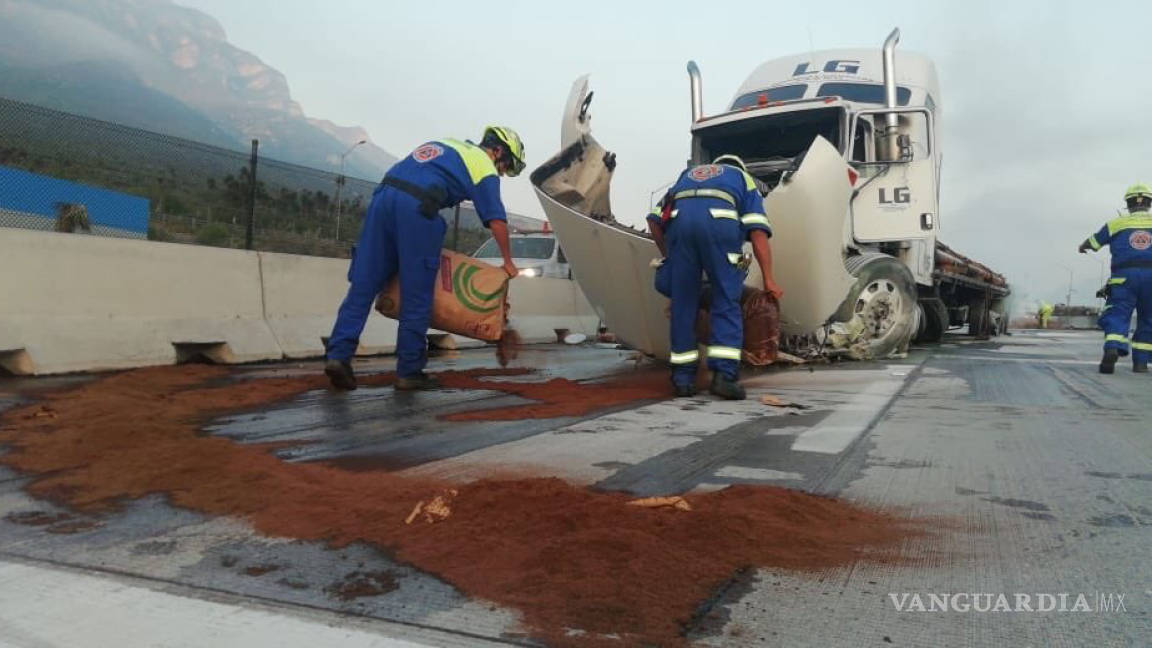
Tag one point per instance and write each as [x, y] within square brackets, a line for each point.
[1047, 106]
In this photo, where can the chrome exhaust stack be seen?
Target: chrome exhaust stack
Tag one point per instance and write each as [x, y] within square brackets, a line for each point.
[697, 93]
[892, 120]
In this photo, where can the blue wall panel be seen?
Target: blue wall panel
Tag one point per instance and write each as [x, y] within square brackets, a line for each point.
[31, 193]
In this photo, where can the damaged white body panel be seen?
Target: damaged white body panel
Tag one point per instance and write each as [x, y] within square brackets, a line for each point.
[613, 263]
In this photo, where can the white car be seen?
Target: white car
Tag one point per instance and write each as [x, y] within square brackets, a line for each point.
[537, 255]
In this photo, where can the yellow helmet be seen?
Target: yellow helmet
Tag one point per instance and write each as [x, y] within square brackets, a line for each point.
[1138, 190]
[506, 139]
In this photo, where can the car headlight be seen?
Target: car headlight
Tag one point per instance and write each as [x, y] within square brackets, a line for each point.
[529, 272]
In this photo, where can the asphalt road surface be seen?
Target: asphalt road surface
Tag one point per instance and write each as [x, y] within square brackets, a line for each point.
[1043, 466]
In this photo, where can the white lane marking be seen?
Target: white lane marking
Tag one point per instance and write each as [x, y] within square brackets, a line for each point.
[762, 474]
[845, 423]
[48, 607]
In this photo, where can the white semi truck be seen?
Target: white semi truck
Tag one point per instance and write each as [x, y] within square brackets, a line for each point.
[845, 146]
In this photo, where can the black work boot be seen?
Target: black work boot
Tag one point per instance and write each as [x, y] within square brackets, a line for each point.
[726, 389]
[416, 382]
[1108, 363]
[684, 391]
[1139, 367]
[340, 374]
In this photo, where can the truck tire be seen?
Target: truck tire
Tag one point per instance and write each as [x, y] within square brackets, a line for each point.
[880, 313]
[933, 321]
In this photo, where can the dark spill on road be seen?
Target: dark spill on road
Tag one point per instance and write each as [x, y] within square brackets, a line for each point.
[566, 557]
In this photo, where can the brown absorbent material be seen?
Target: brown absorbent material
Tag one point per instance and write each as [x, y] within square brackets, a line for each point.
[566, 557]
[761, 316]
[507, 347]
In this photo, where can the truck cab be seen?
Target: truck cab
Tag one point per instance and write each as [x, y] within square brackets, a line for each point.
[839, 95]
[879, 110]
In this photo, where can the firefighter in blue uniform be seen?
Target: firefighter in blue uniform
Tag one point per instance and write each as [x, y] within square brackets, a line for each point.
[705, 218]
[403, 233]
[1130, 240]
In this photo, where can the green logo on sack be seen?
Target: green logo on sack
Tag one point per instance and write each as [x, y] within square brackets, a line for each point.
[468, 295]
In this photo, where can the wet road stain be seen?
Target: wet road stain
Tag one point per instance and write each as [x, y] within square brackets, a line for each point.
[1112, 521]
[1017, 503]
[36, 518]
[74, 526]
[361, 584]
[294, 583]
[155, 548]
[260, 570]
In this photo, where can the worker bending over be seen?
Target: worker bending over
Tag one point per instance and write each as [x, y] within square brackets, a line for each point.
[403, 233]
[705, 218]
[1130, 287]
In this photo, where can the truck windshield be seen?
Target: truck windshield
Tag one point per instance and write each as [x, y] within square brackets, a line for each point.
[862, 92]
[783, 93]
[774, 137]
[522, 248]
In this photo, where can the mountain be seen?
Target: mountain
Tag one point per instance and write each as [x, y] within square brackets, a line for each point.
[155, 65]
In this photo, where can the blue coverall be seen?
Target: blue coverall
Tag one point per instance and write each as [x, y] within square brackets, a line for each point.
[714, 209]
[1130, 239]
[399, 238]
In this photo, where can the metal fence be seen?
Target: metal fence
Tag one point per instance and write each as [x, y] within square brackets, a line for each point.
[68, 173]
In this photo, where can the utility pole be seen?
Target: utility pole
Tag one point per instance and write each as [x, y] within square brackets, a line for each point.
[340, 179]
[251, 195]
[652, 194]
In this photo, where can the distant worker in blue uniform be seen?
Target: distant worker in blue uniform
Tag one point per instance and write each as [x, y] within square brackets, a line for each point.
[700, 229]
[1130, 287]
[403, 233]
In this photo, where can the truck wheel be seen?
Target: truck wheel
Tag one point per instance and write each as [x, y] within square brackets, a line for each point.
[880, 314]
[934, 320]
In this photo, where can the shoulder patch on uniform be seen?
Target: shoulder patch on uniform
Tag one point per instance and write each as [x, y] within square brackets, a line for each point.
[427, 152]
[706, 171]
[1140, 240]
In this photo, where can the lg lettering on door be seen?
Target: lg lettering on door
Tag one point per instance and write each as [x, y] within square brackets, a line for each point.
[899, 196]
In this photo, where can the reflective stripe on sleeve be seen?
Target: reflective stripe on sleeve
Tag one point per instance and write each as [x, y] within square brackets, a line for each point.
[1114, 337]
[723, 213]
[688, 357]
[1142, 346]
[755, 219]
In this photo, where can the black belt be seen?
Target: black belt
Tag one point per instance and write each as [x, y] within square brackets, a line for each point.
[1138, 263]
[431, 200]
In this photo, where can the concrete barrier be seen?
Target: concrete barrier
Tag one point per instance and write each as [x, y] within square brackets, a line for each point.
[301, 296]
[72, 302]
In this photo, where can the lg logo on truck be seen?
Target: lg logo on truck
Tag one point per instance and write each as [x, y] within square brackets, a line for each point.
[835, 67]
[900, 196]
